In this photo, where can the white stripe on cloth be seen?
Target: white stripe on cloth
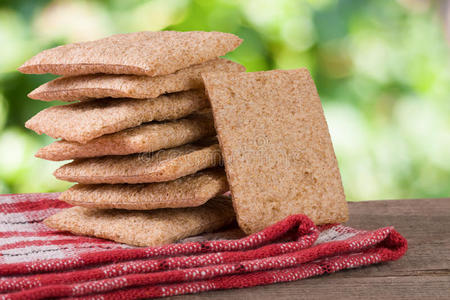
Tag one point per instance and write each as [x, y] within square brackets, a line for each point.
[17, 239]
[44, 252]
[23, 227]
[336, 233]
[27, 216]
[32, 253]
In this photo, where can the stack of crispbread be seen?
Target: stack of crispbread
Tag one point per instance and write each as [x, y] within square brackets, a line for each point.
[141, 134]
[148, 165]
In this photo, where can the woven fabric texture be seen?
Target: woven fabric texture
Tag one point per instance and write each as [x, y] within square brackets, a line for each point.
[37, 262]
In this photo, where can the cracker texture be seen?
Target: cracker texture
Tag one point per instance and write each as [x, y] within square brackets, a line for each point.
[144, 228]
[276, 147]
[148, 137]
[189, 191]
[95, 86]
[164, 165]
[82, 122]
[140, 53]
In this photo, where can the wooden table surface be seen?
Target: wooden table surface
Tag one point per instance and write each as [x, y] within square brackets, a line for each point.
[423, 273]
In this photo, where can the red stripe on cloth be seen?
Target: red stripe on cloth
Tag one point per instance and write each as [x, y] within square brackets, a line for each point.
[290, 250]
[8, 234]
[20, 207]
[13, 198]
[62, 241]
[236, 281]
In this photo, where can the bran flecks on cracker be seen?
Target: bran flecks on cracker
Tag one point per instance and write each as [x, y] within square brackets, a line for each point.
[95, 86]
[163, 165]
[82, 122]
[140, 53]
[148, 137]
[276, 147]
[188, 191]
[145, 228]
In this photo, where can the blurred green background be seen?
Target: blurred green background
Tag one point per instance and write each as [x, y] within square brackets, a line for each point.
[381, 67]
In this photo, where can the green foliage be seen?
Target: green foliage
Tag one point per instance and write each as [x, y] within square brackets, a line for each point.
[382, 70]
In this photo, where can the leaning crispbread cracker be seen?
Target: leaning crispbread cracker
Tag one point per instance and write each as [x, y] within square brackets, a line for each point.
[145, 228]
[140, 53]
[86, 87]
[144, 138]
[82, 122]
[189, 191]
[164, 165]
[276, 147]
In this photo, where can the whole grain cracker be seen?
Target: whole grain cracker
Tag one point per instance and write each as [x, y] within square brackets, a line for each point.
[140, 53]
[87, 87]
[148, 137]
[276, 147]
[145, 228]
[82, 122]
[164, 165]
[189, 191]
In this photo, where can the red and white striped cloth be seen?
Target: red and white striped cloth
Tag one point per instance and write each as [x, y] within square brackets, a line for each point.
[37, 262]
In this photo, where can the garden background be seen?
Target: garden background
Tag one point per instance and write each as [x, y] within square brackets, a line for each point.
[381, 67]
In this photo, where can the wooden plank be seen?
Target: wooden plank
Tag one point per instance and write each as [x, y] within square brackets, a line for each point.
[424, 272]
[325, 287]
[424, 223]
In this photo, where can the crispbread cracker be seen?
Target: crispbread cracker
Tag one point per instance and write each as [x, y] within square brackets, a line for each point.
[145, 228]
[164, 165]
[276, 147]
[140, 53]
[86, 87]
[189, 191]
[144, 138]
[82, 122]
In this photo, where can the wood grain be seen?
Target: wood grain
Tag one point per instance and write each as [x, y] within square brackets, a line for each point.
[423, 273]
